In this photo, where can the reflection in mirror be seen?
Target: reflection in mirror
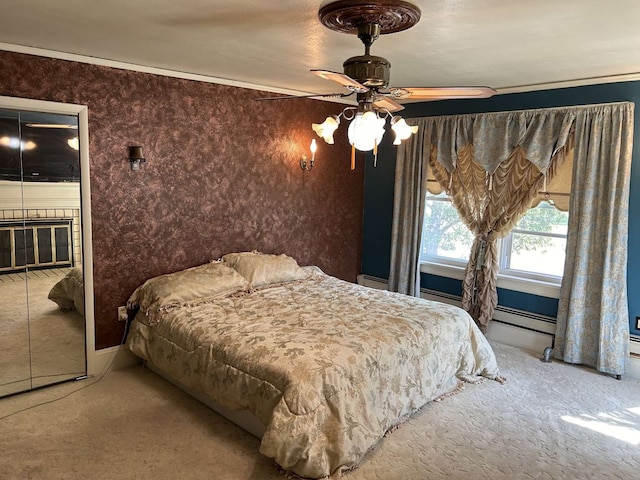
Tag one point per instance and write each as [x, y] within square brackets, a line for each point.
[40, 251]
[15, 364]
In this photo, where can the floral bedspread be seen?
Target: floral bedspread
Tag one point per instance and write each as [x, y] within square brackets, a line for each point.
[328, 366]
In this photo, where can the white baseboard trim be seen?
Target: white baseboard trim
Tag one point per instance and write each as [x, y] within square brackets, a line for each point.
[531, 334]
[114, 358]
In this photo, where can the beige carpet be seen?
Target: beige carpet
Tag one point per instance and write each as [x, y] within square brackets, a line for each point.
[550, 421]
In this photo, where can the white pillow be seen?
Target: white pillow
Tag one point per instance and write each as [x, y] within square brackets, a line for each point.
[261, 269]
[187, 287]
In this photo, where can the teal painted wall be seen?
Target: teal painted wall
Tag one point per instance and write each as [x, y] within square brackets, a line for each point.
[379, 185]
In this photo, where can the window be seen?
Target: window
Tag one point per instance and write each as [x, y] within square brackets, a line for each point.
[445, 239]
[535, 248]
[533, 251]
[531, 257]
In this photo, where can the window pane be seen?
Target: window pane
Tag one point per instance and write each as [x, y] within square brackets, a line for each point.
[538, 254]
[62, 244]
[45, 254]
[544, 253]
[544, 218]
[444, 234]
[5, 248]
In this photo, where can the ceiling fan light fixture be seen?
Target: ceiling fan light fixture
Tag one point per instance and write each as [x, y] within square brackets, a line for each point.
[326, 129]
[366, 131]
[402, 130]
[368, 76]
[16, 143]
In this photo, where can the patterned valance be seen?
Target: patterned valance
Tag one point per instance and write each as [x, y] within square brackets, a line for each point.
[494, 136]
[556, 190]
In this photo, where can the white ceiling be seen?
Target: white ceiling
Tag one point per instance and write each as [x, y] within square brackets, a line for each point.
[511, 45]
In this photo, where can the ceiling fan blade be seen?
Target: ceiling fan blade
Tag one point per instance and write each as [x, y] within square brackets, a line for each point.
[342, 79]
[440, 93]
[388, 104]
[311, 95]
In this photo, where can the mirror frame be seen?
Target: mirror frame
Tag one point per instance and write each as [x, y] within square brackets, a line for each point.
[85, 194]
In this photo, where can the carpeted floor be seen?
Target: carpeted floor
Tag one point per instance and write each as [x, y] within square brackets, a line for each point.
[549, 421]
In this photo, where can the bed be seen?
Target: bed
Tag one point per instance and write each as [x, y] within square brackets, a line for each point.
[68, 293]
[325, 367]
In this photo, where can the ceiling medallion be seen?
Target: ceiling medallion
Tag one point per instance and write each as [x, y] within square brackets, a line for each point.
[392, 15]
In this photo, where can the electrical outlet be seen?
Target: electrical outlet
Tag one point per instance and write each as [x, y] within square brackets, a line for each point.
[123, 315]
[637, 323]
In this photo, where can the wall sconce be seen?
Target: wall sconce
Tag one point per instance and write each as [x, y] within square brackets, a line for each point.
[304, 165]
[136, 157]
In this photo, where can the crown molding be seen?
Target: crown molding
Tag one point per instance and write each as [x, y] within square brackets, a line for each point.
[72, 57]
[578, 82]
[41, 52]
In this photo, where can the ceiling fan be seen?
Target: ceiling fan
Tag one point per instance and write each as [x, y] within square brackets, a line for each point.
[368, 75]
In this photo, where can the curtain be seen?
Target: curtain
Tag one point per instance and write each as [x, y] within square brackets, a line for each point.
[490, 206]
[492, 166]
[593, 323]
[408, 213]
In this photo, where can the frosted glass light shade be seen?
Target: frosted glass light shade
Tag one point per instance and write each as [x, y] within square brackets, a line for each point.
[74, 143]
[325, 129]
[366, 131]
[402, 129]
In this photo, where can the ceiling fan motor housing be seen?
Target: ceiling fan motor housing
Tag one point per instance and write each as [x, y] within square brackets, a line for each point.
[369, 70]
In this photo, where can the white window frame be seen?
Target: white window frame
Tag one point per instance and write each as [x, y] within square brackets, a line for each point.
[505, 257]
[510, 279]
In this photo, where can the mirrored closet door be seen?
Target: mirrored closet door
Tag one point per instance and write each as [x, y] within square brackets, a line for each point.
[42, 325]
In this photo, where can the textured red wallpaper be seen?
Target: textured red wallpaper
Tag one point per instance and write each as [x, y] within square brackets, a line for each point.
[221, 175]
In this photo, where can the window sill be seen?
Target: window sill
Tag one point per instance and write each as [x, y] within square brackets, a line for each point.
[508, 282]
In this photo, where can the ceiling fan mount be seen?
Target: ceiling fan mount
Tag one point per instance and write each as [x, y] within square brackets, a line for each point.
[368, 20]
[347, 16]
